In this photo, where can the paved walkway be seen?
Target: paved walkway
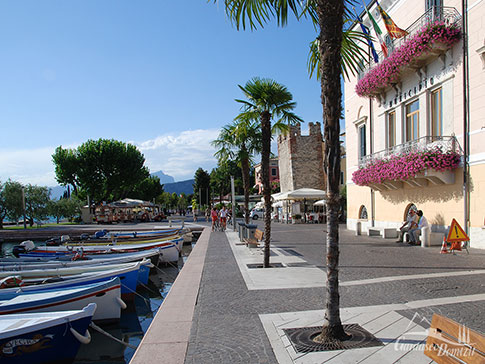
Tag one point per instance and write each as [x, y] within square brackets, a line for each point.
[389, 289]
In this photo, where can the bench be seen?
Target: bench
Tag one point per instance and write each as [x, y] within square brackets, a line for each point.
[253, 243]
[387, 233]
[449, 342]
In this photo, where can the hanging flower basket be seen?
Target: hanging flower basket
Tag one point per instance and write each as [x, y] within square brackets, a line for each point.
[403, 167]
[436, 36]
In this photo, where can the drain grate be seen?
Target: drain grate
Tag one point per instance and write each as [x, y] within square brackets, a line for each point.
[302, 339]
[299, 264]
[260, 265]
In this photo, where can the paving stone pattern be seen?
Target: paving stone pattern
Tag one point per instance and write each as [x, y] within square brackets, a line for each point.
[227, 329]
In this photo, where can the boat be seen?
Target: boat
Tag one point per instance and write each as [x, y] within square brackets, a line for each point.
[44, 337]
[82, 260]
[128, 277]
[170, 249]
[106, 295]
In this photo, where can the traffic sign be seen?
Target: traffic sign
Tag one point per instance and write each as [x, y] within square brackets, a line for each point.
[456, 233]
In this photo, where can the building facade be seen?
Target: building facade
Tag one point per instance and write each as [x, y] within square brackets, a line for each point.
[274, 174]
[301, 158]
[415, 121]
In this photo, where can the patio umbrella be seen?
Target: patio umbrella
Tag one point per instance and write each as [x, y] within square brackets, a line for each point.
[302, 194]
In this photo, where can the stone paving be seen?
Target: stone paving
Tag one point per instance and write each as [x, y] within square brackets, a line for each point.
[227, 324]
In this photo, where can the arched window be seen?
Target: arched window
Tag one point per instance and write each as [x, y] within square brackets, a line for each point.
[363, 213]
[409, 207]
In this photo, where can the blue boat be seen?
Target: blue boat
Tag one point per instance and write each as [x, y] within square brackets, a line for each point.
[46, 337]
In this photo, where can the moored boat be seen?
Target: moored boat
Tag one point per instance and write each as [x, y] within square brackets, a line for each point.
[106, 295]
[44, 337]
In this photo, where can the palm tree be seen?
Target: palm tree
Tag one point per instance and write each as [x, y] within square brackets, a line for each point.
[239, 141]
[267, 100]
[334, 54]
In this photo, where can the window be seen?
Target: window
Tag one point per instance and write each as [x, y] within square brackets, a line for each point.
[362, 141]
[412, 121]
[273, 171]
[436, 113]
[391, 129]
[434, 9]
[363, 213]
[389, 43]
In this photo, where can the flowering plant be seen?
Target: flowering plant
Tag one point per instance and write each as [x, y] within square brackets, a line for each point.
[402, 167]
[387, 72]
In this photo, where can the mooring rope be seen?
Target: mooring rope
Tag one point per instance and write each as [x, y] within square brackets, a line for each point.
[101, 331]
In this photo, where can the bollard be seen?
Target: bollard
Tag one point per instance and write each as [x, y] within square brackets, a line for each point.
[358, 228]
[240, 229]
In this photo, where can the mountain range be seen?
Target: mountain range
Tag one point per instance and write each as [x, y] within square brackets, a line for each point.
[168, 182]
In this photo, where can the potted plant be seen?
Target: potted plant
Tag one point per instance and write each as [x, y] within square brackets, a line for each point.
[296, 219]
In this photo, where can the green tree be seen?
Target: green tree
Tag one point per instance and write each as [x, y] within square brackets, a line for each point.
[68, 208]
[267, 100]
[148, 189]
[239, 141]
[337, 50]
[10, 201]
[104, 169]
[36, 201]
[201, 185]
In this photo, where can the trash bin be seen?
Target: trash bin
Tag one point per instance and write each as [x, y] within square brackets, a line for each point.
[241, 230]
[250, 230]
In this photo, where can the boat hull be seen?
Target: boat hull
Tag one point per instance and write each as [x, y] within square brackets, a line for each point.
[49, 341]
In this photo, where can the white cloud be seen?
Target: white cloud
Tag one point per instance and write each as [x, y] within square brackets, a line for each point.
[178, 155]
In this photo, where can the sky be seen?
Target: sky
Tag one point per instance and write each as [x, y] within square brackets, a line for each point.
[160, 74]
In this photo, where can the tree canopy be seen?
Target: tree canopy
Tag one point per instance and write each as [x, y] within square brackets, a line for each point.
[103, 169]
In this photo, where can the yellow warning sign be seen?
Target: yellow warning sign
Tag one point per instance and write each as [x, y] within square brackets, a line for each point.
[456, 233]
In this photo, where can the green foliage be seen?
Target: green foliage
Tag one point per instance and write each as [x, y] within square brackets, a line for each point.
[36, 201]
[10, 201]
[104, 169]
[201, 184]
[69, 208]
[148, 189]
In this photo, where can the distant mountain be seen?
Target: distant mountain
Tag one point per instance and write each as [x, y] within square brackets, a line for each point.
[180, 187]
[164, 178]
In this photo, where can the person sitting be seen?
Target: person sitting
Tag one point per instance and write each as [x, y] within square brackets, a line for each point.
[413, 233]
[410, 223]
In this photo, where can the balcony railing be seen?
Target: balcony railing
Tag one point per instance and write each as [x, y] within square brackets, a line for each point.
[448, 15]
[426, 143]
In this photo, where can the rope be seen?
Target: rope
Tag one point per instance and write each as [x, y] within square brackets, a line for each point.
[100, 330]
[135, 292]
[162, 271]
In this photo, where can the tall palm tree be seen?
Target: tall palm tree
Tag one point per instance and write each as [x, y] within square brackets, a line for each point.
[328, 17]
[267, 100]
[239, 141]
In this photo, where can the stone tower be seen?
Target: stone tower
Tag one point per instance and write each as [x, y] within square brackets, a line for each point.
[301, 158]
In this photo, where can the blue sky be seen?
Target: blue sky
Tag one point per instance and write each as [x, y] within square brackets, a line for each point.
[160, 74]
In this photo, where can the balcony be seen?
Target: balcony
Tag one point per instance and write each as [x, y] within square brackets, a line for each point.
[429, 160]
[429, 37]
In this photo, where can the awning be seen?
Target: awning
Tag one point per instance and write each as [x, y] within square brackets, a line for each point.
[302, 194]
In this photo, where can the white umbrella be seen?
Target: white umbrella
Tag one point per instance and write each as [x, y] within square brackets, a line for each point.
[302, 194]
[319, 203]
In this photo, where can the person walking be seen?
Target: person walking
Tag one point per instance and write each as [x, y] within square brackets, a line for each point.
[223, 215]
[410, 223]
[207, 214]
[214, 216]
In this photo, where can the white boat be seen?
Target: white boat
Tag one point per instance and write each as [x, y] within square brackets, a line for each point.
[15, 264]
[44, 337]
[106, 295]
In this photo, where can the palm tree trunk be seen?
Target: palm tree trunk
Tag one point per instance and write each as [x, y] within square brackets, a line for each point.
[265, 153]
[330, 15]
[245, 177]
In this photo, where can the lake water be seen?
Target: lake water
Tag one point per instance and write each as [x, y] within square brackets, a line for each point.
[135, 319]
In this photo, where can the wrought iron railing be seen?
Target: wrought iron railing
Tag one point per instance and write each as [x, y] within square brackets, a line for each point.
[448, 15]
[426, 143]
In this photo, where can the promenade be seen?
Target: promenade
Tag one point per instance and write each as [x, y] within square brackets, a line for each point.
[221, 310]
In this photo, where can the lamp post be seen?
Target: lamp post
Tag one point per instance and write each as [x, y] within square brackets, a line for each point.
[233, 204]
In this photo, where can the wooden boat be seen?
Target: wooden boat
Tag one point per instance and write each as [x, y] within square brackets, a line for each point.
[44, 337]
[15, 264]
[106, 295]
[128, 277]
[170, 249]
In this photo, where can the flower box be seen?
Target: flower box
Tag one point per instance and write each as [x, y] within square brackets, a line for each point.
[434, 38]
